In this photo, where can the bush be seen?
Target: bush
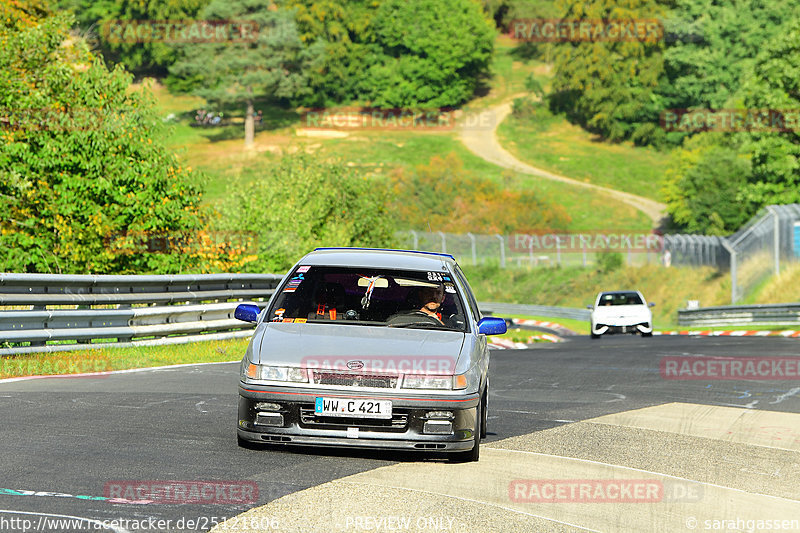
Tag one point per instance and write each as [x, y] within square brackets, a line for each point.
[302, 203]
[83, 161]
[609, 262]
[443, 196]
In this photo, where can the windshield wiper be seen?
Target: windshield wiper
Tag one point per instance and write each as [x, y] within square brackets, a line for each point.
[425, 325]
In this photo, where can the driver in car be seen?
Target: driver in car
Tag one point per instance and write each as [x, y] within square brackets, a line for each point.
[432, 298]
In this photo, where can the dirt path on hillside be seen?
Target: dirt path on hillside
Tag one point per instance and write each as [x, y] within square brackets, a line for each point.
[482, 141]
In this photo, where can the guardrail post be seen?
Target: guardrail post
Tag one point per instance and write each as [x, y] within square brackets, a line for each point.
[416, 240]
[732, 251]
[558, 250]
[776, 239]
[444, 241]
[474, 252]
[502, 251]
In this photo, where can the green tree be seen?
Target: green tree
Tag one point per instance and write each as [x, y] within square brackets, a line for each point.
[711, 45]
[773, 83]
[719, 180]
[82, 162]
[340, 41]
[98, 19]
[303, 202]
[239, 72]
[609, 87]
[433, 53]
[503, 12]
[703, 183]
[18, 14]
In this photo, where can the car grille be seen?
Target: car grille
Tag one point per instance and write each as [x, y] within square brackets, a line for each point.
[309, 419]
[344, 379]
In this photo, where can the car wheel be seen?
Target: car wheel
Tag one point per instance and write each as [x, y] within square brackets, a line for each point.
[595, 336]
[647, 334]
[485, 410]
[473, 454]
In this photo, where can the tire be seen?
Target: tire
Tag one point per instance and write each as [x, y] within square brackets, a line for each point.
[485, 410]
[647, 334]
[595, 336]
[473, 454]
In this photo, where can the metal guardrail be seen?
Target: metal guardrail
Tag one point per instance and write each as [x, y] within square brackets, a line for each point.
[187, 308]
[105, 311]
[741, 315]
[535, 310]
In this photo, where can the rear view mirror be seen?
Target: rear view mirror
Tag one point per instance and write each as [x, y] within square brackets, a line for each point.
[246, 312]
[492, 325]
[380, 283]
[651, 304]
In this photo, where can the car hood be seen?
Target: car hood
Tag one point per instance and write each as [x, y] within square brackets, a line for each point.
[616, 312]
[378, 348]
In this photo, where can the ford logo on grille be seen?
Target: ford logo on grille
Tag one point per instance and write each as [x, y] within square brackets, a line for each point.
[355, 365]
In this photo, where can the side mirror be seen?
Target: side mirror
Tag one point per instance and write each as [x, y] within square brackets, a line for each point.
[651, 304]
[492, 325]
[590, 307]
[247, 312]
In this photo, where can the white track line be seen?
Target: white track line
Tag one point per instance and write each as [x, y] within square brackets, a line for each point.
[108, 373]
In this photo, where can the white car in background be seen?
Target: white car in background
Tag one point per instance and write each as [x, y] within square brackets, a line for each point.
[621, 312]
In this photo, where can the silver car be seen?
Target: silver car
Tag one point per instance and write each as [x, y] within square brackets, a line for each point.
[368, 348]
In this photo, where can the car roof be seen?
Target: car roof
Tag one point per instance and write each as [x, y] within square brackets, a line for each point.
[378, 257]
[620, 292]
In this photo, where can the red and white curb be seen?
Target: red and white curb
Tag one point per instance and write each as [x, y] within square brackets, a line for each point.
[556, 327]
[506, 344]
[737, 333]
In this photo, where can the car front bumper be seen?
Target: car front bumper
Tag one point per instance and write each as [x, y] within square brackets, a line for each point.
[605, 329]
[295, 423]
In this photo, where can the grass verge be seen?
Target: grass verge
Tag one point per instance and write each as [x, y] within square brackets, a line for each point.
[551, 143]
[578, 287]
[106, 359]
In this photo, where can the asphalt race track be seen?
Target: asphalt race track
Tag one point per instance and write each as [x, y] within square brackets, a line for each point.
[579, 410]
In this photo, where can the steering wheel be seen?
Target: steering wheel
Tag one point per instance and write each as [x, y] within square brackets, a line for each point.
[412, 317]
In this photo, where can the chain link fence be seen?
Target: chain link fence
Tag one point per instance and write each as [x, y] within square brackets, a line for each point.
[752, 254]
[537, 249]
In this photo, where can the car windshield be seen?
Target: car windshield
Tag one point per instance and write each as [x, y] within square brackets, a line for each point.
[620, 298]
[370, 296]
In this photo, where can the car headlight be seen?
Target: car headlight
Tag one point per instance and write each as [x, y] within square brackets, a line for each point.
[414, 381]
[276, 373]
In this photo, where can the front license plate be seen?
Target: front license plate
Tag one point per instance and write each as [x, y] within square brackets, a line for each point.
[353, 408]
